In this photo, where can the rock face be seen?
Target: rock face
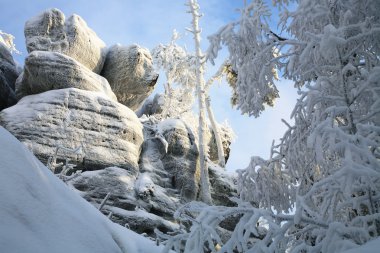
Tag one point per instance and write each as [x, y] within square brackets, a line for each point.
[223, 186]
[133, 201]
[8, 76]
[110, 134]
[226, 142]
[181, 159]
[130, 72]
[49, 31]
[45, 71]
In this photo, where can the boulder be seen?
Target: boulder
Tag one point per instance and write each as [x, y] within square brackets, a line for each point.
[8, 76]
[49, 31]
[108, 132]
[44, 71]
[129, 70]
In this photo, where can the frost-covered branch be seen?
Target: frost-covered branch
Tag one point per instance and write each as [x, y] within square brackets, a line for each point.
[7, 40]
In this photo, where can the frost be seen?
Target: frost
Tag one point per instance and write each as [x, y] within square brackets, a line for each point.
[7, 40]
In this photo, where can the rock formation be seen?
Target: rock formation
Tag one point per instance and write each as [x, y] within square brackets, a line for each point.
[73, 119]
[50, 31]
[44, 71]
[130, 72]
[8, 76]
[109, 133]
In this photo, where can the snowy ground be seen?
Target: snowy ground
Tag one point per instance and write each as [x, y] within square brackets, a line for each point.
[39, 213]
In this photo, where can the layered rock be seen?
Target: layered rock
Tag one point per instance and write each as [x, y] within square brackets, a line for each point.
[129, 70]
[132, 202]
[50, 31]
[8, 76]
[109, 133]
[45, 71]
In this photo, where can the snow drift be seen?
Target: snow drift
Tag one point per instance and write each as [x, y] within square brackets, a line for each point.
[39, 213]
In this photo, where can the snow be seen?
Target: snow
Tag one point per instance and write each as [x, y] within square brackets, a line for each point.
[144, 184]
[370, 247]
[39, 213]
[170, 124]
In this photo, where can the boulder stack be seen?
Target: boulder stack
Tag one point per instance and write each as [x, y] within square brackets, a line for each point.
[50, 31]
[76, 110]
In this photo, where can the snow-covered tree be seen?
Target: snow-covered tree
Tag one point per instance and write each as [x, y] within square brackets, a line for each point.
[179, 68]
[205, 194]
[327, 165]
[250, 41]
[7, 39]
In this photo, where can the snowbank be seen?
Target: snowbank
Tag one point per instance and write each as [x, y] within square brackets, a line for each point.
[39, 213]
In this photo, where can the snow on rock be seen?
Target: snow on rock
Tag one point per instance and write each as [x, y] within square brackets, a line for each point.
[39, 213]
[223, 185]
[135, 202]
[45, 71]
[49, 31]
[129, 70]
[95, 185]
[8, 76]
[144, 185]
[109, 133]
[141, 221]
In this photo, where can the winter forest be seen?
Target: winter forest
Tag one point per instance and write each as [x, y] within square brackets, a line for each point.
[119, 146]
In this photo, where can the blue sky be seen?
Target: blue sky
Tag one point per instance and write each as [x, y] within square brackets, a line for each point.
[150, 22]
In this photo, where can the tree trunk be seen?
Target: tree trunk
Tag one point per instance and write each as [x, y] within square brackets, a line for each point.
[215, 129]
[205, 194]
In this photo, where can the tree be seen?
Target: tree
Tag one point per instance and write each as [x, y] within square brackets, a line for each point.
[205, 194]
[327, 165]
[179, 67]
[7, 40]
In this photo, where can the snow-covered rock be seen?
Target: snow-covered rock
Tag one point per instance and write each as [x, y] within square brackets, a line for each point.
[181, 159]
[223, 186]
[133, 202]
[45, 71]
[152, 106]
[49, 31]
[39, 213]
[8, 76]
[226, 137]
[129, 70]
[109, 133]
